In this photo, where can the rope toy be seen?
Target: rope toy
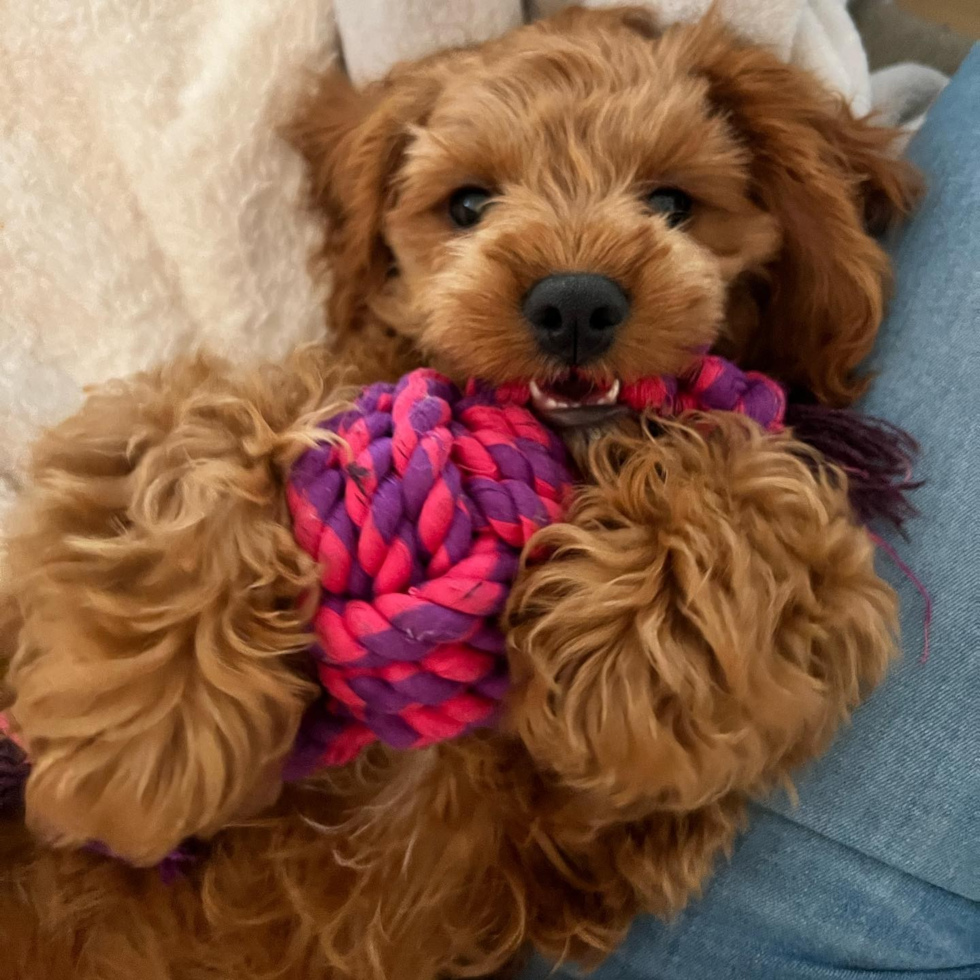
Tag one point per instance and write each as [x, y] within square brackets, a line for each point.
[418, 518]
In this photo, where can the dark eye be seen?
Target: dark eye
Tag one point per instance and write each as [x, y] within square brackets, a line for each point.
[672, 203]
[466, 206]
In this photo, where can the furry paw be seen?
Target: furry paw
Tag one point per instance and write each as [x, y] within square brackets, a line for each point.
[159, 589]
[705, 620]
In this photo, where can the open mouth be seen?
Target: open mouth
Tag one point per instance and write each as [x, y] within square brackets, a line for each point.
[575, 399]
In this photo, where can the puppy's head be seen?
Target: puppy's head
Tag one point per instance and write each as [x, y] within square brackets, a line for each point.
[589, 200]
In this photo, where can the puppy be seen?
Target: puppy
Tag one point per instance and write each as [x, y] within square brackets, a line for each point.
[581, 203]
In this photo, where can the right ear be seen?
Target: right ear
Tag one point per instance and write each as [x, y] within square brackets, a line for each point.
[831, 182]
[353, 142]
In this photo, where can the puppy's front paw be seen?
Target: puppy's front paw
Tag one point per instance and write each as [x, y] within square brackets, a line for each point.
[706, 618]
[160, 590]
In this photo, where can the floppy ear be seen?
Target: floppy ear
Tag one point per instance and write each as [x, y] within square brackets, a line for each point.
[831, 182]
[353, 141]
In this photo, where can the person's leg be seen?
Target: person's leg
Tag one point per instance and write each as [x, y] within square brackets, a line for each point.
[903, 784]
[794, 905]
[877, 872]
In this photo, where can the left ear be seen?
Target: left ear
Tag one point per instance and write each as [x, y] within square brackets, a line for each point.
[831, 182]
[353, 141]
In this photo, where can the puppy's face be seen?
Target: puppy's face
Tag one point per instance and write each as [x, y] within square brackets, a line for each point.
[585, 202]
[572, 221]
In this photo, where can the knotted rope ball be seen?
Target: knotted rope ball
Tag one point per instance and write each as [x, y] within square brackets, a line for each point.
[418, 515]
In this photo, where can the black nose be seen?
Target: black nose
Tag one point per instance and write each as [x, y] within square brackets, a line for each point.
[574, 315]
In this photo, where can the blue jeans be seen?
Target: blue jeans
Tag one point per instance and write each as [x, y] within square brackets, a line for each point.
[877, 872]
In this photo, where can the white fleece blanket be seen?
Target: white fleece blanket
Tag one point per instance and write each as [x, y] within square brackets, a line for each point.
[147, 204]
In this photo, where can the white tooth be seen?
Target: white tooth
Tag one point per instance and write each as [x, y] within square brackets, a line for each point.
[548, 402]
[609, 398]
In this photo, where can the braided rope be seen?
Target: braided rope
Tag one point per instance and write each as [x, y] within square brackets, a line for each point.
[712, 384]
[418, 519]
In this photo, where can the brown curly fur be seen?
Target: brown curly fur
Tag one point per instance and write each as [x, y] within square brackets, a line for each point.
[568, 122]
[159, 583]
[706, 617]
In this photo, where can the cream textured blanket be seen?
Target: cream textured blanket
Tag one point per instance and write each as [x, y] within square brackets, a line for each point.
[147, 204]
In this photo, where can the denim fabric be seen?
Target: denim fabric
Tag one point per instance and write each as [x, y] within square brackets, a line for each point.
[793, 905]
[904, 785]
[877, 872]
